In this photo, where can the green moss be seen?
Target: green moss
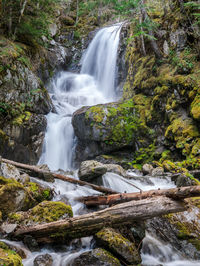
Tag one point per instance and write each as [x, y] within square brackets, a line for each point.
[182, 131]
[142, 156]
[8, 256]
[195, 108]
[162, 91]
[39, 193]
[19, 120]
[187, 230]
[117, 123]
[117, 244]
[45, 212]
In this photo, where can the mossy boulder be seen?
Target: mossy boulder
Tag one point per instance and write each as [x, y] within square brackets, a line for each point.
[107, 127]
[97, 257]
[118, 245]
[45, 212]
[13, 196]
[9, 257]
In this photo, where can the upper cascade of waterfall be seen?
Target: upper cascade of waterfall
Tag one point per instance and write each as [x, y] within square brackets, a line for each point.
[100, 59]
[69, 92]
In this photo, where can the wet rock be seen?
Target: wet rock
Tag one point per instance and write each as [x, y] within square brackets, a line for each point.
[183, 181]
[43, 260]
[118, 245]
[45, 212]
[158, 171]
[31, 243]
[90, 169]
[181, 230]
[97, 257]
[147, 169]
[114, 168]
[8, 256]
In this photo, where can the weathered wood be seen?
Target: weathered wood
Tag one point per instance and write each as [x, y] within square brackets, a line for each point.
[42, 172]
[88, 224]
[174, 193]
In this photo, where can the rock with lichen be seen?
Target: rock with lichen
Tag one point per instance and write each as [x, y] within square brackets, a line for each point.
[181, 230]
[90, 169]
[107, 127]
[20, 199]
[118, 245]
[45, 212]
[97, 257]
[8, 256]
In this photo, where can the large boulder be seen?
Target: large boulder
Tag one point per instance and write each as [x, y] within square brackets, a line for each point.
[118, 245]
[106, 127]
[97, 257]
[90, 169]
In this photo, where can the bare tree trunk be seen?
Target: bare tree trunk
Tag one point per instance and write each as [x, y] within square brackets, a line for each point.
[174, 193]
[21, 15]
[41, 173]
[89, 224]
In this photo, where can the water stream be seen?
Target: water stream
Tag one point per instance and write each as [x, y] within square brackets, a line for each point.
[95, 84]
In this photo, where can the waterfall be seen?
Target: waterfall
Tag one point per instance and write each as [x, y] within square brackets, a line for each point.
[69, 92]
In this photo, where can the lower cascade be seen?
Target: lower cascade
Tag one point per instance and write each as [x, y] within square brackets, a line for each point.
[95, 84]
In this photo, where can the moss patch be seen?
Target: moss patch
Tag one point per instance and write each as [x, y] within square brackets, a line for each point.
[8, 256]
[45, 212]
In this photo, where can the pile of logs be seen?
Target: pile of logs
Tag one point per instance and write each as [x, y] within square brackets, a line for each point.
[125, 208]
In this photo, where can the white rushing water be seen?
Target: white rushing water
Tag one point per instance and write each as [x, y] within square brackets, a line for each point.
[95, 84]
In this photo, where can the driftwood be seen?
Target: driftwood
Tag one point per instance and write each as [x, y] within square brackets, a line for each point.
[42, 173]
[89, 224]
[174, 193]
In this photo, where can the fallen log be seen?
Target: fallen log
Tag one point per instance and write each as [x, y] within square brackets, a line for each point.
[42, 173]
[174, 193]
[89, 224]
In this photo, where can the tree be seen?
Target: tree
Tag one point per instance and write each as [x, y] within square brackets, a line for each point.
[28, 18]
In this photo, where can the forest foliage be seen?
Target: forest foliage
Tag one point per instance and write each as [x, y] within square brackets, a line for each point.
[28, 19]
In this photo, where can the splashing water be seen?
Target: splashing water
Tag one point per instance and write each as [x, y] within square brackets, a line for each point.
[69, 92]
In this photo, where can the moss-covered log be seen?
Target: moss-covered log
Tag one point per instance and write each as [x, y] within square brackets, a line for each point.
[88, 224]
